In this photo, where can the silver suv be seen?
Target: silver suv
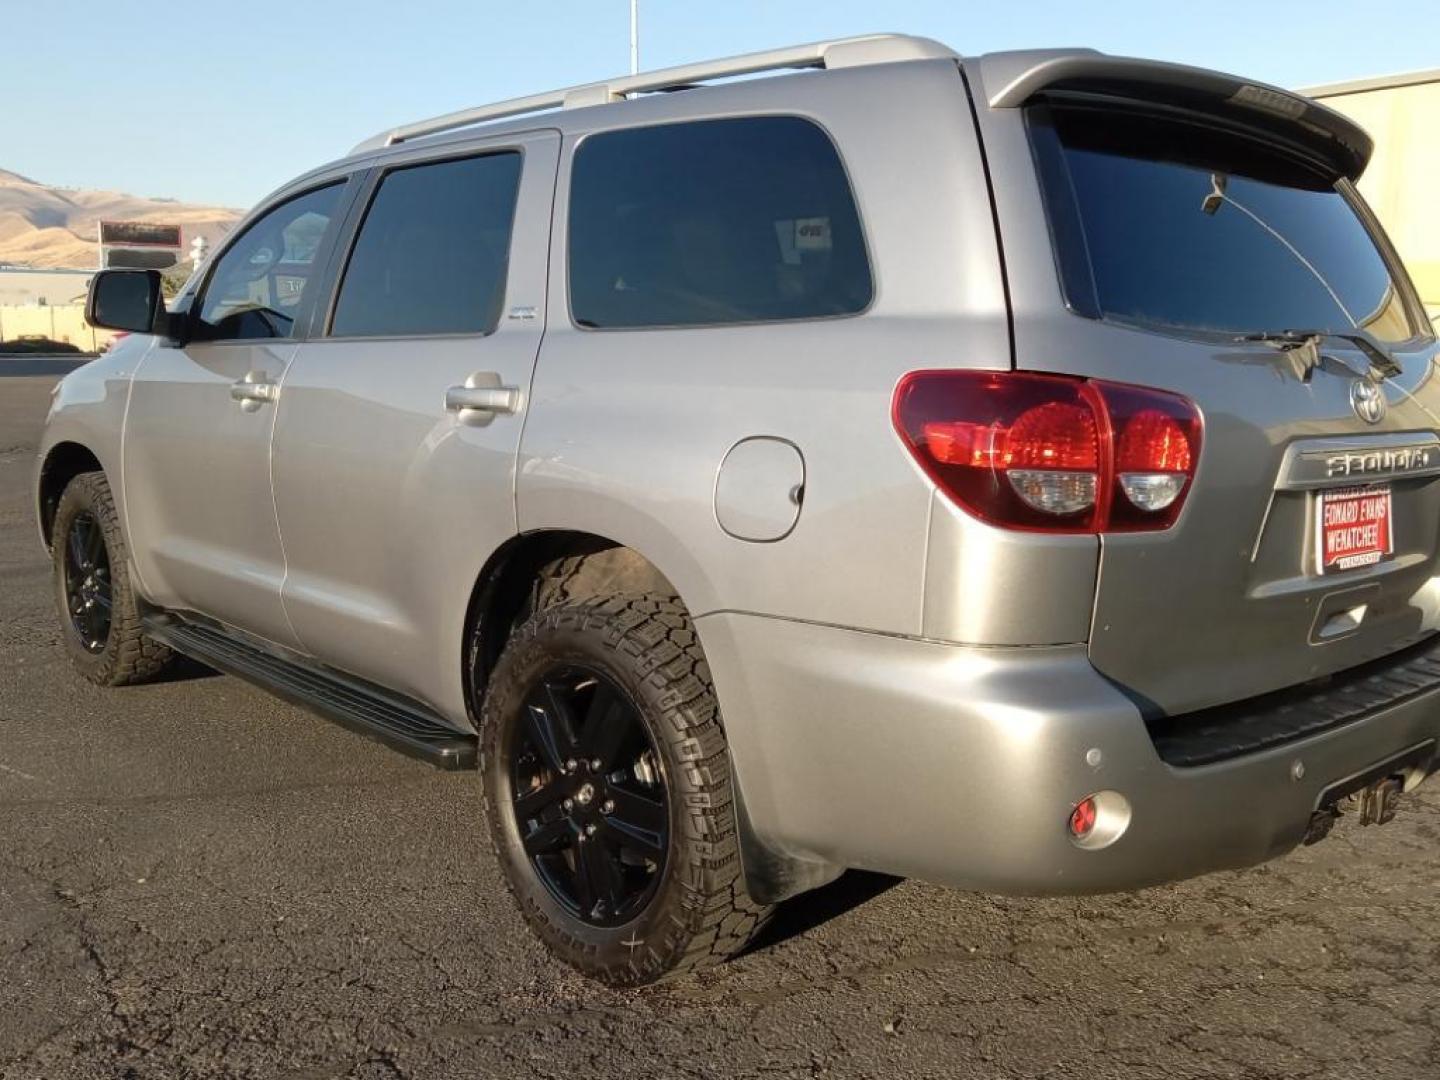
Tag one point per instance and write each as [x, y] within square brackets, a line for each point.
[1019, 473]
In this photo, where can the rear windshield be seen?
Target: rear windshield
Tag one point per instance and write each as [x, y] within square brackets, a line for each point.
[1162, 220]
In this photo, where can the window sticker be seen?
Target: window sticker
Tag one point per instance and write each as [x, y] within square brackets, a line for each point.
[812, 234]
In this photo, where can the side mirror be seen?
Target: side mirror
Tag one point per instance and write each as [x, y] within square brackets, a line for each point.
[126, 300]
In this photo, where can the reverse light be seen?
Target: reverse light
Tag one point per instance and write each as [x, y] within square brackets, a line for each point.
[1048, 452]
[1152, 491]
[1053, 491]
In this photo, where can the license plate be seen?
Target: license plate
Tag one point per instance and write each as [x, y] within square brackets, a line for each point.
[1352, 528]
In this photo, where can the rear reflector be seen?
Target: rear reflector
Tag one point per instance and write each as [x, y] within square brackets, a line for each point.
[1049, 452]
[1082, 818]
[1099, 820]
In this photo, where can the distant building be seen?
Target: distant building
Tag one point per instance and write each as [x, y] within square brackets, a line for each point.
[1402, 114]
[25, 285]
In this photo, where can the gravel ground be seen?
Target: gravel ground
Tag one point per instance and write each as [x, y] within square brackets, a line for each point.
[197, 880]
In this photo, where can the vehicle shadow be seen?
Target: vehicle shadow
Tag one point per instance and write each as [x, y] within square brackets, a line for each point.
[809, 910]
[183, 669]
[22, 366]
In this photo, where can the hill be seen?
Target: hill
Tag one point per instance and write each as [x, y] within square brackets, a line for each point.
[48, 226]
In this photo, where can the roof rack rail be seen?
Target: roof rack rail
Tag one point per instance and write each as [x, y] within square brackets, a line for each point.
[839, 53]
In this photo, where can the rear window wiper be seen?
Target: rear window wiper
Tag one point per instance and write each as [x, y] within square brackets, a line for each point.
[1381, 362]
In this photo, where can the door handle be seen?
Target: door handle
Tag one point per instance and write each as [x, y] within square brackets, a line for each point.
[486, 399]
[253, 391]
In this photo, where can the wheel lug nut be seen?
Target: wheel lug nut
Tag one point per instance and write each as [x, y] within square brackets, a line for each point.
[608, 806]
[571, 765]
[595, 764]
[569, 804]
[589, 830]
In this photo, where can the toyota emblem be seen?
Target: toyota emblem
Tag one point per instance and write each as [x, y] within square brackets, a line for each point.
[1368, 401]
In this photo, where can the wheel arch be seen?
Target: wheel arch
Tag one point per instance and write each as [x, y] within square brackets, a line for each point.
[64, 461]
[505, 592]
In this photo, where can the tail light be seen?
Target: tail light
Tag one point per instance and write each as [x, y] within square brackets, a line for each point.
[1050, 452]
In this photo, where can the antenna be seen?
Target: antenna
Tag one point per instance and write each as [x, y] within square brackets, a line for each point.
[634, 37]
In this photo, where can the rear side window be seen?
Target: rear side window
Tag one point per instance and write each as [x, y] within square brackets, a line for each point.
[1164, 221]
[432, 251]
[716, 221]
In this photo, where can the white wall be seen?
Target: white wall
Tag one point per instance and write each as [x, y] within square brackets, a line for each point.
[1402, 182]
[34, 286]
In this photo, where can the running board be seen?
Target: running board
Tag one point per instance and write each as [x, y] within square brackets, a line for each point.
[378, 714]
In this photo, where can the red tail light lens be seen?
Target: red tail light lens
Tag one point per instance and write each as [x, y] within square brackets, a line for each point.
[1031, 451]
[1152, 441]
[1054, 436]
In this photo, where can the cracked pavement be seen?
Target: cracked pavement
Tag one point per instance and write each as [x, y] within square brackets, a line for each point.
[198, 880]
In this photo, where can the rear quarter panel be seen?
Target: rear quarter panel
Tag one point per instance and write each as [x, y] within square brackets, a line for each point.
[627, 429]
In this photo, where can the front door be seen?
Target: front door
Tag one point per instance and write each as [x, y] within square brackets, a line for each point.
[397, 432]
[201, 515]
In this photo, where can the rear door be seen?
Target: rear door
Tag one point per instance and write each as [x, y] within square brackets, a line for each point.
[398, 423]
[1308, 543]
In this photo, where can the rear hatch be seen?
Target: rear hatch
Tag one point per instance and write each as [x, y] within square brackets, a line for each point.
[1307, 543]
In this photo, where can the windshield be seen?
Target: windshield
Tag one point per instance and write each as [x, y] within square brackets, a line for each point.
[1160, 219]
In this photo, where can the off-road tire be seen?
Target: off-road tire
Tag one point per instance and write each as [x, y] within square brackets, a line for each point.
[128, 656]
[700, 913]
[613, 571]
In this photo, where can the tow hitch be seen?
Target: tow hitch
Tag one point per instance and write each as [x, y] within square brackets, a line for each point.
[1373, 796]
[1376, 803]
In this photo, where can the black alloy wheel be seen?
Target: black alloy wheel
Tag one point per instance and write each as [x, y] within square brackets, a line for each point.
[88, 593]
[101, 624]
[588, 796]
[607, 784]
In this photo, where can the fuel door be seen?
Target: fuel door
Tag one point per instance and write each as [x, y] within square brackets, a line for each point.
[760, 488]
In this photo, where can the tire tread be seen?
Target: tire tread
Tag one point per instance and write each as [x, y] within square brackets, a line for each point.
[712, 917]
[129, 657]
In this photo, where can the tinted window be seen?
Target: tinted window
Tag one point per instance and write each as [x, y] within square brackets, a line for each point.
[1165, 222]
[257, 285]
[721, 221]
[432, 252]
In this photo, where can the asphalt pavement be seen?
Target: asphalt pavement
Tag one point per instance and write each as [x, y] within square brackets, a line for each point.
[198, 880]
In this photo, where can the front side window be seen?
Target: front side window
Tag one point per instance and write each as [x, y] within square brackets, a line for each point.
[432, 253]
[714, 221]
[258, 283]
[1170, 222]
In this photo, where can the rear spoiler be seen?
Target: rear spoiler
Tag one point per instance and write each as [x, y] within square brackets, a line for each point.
[1013, 78]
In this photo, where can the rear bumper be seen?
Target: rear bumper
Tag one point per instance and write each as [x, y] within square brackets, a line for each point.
[960, 765]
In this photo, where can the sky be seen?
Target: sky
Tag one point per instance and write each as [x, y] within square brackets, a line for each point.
[221, 102]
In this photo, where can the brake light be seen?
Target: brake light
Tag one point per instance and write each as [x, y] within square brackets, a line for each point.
[1050, 452]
